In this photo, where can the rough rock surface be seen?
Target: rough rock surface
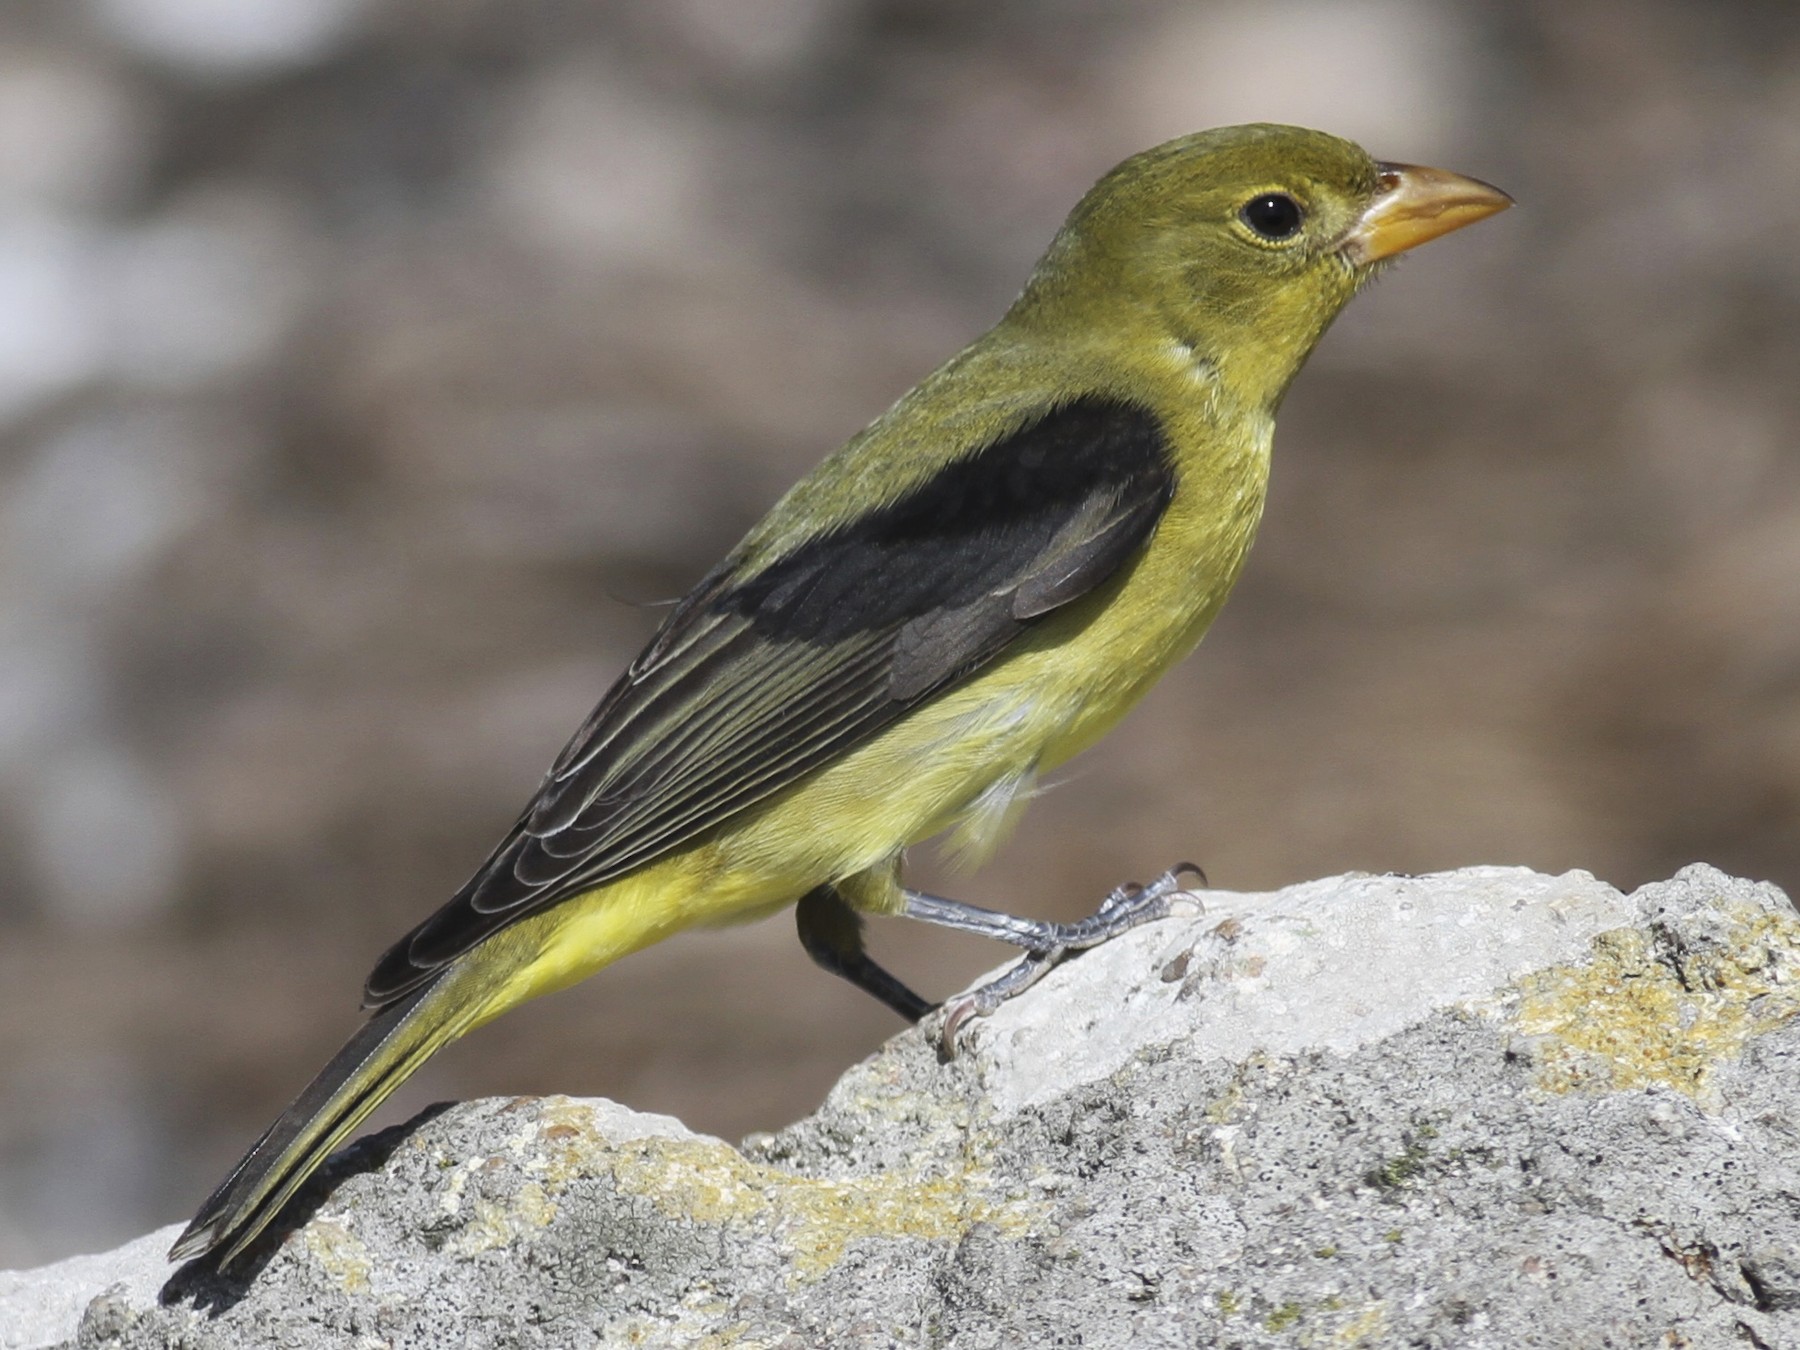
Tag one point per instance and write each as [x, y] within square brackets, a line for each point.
[1487, 1108]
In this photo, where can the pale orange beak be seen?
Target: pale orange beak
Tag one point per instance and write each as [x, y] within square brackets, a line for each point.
[1415, 204]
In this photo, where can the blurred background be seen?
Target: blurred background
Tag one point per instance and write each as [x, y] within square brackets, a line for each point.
[368, 366]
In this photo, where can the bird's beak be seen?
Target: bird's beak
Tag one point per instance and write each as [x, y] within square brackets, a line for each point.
[1414, 204]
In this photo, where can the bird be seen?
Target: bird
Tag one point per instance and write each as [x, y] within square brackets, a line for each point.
[972, 590]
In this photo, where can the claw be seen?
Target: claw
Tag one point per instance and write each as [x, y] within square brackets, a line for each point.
[1168, 889]
[955, 1014]
[983, 999]
[1189, 869]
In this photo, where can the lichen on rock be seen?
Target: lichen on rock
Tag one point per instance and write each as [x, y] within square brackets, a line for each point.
[1484, 1108]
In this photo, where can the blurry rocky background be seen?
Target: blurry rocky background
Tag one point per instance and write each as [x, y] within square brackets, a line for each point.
[369, 368]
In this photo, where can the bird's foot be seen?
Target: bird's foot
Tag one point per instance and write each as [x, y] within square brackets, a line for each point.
[1123, 909]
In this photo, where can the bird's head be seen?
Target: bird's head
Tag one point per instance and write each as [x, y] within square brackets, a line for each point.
[1240, 245]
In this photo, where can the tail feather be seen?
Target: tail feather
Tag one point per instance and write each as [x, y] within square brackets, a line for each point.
[375, 1061]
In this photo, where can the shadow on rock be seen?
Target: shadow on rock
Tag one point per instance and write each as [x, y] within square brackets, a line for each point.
[214, 1290]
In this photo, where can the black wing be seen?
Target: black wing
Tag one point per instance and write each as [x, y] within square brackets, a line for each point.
[754, 682]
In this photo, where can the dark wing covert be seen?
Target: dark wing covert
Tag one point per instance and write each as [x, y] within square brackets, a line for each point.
[755, 681]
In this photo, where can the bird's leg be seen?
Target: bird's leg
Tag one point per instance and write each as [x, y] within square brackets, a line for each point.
[831, 932]
[1045, 943]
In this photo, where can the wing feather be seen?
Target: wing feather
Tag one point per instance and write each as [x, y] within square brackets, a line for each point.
[761, 676]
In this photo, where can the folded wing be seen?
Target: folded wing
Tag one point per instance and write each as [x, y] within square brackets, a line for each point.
[760, 677]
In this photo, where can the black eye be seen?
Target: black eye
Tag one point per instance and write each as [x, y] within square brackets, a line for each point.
[1274, 215]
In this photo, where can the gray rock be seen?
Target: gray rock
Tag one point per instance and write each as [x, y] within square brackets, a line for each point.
[1488, 1108]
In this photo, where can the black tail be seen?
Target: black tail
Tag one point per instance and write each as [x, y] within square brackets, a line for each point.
[377, 1059]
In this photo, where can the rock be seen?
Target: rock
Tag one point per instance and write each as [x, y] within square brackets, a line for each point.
[43, 1306]
[1486, 1108]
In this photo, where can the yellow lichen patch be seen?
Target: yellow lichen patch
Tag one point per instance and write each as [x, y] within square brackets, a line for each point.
[816, 1219]
[704, 1181]
[1283, 1317]
[824, 1217]
[569, 1140]
[708, 1181]
[1223, 1109]
[683, 1328]
[1368, 1327]
[340, 1252]
[940, 1115]
[1624, 1019]
[496, 1225]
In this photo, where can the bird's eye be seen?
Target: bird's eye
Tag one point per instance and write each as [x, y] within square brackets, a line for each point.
[1274, 215]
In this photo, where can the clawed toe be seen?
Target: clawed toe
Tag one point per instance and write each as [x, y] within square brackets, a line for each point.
[1123, 909]
[1132, 904]
[983, 999]
[1172, 877]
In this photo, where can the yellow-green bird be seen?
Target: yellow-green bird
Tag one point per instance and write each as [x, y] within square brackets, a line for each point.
[972, 590]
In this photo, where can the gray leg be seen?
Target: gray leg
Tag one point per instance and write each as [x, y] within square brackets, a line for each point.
[1045, 943]
[831, 932]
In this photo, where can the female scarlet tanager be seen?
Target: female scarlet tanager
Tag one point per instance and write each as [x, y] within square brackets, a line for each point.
[969, 592]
